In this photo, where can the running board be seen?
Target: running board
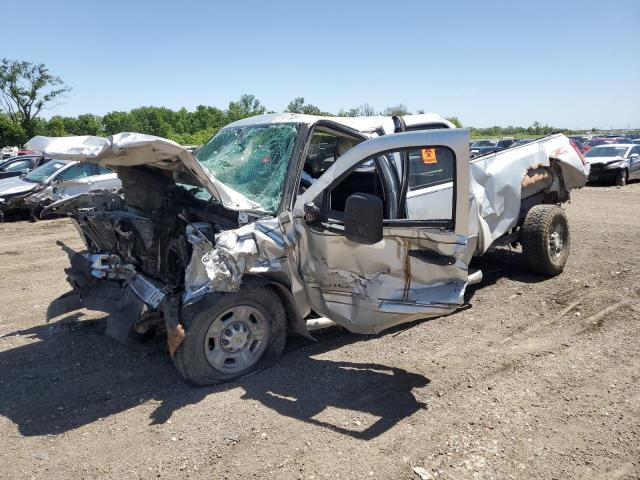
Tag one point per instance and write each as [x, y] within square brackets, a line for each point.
[475, 277]
[319, 323]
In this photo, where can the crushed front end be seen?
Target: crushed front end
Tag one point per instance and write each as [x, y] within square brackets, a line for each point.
[138, 248]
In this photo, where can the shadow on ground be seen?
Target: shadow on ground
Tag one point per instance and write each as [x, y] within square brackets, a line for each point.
[75, 375]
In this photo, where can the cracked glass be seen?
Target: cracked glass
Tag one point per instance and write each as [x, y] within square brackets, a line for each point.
[252, 160]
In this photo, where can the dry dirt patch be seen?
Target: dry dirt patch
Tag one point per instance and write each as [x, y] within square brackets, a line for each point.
[537, 379]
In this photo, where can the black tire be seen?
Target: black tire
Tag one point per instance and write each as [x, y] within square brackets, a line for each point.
[34, 214]
[543, 225]
[190, 358]
[621, 178]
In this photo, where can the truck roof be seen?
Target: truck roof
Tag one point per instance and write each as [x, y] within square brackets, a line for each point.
[363, 124]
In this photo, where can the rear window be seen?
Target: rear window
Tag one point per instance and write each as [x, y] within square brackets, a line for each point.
[429, 167]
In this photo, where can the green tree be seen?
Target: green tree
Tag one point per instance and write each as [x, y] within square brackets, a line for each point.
[87, 124]
[400, 109]
[364, 110]
[456, 121]
[206, 118]
[26, 89]
[116, 122]
[297, 105]
[11, 133]
[246, 106]
[55, 127]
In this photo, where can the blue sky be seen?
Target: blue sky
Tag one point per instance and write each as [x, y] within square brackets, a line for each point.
[565, 63]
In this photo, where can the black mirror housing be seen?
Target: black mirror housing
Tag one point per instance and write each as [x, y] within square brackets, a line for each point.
[363, 217]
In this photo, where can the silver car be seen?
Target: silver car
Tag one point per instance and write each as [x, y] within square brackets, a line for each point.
[614, 163]
[56, 179]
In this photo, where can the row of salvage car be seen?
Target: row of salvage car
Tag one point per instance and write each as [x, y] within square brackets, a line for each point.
[29, 183]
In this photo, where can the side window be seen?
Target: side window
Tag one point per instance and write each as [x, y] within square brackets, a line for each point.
[80, 170]
[429, 167]
[364, 179]
[431, 185]
[325, 147]
[321, 154]
[104, 170]
[16, 166]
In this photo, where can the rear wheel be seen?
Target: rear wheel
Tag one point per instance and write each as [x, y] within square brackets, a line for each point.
[230, 335]
[621, 178]
[545, 239]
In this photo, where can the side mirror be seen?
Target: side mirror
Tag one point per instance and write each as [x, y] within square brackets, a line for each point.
[634, 155]
[24, 171]
[363, 217]
[311, 212]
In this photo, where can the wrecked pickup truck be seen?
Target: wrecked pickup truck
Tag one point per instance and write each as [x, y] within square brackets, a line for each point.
[286, 221]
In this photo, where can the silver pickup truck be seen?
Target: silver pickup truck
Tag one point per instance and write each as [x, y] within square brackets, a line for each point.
[284, 222]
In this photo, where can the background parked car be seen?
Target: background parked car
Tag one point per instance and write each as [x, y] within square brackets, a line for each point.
[17, 166]
[27, 195]
[7, 152]
[482, 143]
[477, 151]
[616, 163]
[504, 143]
[522, 141]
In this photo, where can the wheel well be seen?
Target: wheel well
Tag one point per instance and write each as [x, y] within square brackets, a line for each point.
[295, 322]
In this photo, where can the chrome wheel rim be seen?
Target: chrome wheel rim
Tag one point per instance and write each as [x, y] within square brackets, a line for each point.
[556, 241]
[236, 339]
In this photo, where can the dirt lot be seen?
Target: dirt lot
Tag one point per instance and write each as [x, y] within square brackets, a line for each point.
[537, 378]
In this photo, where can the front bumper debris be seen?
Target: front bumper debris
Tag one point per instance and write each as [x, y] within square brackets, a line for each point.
[103, 282]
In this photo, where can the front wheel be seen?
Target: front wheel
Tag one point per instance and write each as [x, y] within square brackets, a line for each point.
[545, 239]
[621, 178]
[230, 335]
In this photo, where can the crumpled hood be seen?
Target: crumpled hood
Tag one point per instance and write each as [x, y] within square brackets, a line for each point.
[15, 185]
[131, 149]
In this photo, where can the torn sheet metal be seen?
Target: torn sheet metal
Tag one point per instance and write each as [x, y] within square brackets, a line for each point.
[367, 290]
[497, 184]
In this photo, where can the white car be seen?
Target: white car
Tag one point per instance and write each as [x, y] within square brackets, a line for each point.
[614, 163]
[55, 180]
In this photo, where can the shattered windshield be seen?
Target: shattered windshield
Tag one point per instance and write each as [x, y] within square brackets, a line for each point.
[43, 172]
[252, 160]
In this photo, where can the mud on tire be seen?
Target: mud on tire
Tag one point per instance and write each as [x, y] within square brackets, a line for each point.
[252, 320]
[545, 239]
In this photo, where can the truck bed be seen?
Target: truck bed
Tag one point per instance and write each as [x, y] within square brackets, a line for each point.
[505, 184]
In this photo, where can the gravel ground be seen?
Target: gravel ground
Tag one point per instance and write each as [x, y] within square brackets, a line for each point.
[536, 378]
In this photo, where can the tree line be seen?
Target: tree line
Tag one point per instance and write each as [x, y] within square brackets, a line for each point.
[27, 90]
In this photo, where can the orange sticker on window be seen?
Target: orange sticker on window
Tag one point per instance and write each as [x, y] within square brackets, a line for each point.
[429, 156]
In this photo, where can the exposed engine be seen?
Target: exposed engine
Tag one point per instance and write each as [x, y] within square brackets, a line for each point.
[147, 227]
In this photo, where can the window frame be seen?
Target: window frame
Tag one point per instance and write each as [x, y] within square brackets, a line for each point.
[301, 150]
[441, 224]
[437, 184]
[8, 166]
